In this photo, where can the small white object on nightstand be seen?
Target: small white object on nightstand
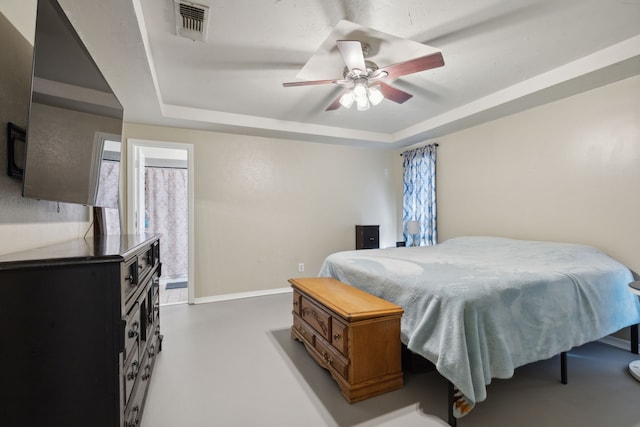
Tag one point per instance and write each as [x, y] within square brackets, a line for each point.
[634, 367]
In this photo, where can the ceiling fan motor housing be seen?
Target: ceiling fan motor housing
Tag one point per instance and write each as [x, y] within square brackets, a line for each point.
[371, 67]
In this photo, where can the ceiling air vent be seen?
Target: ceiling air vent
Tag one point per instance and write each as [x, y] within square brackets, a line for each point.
[191, 20]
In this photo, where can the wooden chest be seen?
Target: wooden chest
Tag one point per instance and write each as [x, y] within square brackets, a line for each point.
[353, 334]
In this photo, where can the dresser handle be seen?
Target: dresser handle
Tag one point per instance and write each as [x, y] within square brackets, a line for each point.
[132, 279]
[327, 358]
[133, 332]
[136, 420]
[134, 371]
[147, 372]
[337, 337]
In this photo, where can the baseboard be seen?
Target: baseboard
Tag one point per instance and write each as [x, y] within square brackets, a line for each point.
[616, 342]
[239, 295]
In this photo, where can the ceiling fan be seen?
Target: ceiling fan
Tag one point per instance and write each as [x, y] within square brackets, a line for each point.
[363, 80]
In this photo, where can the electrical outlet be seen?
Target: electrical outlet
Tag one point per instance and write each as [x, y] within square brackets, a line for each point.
[301, 267]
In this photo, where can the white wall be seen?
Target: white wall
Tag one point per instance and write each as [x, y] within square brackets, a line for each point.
[565, 171]
[262, 206]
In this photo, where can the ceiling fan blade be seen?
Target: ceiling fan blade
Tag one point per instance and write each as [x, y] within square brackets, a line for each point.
[311, 82]
[335, 104]
[411, 66]
[393, 94]
[351, 51]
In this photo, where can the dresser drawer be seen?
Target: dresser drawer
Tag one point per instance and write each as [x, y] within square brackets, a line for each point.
[304, 331]
[148, 313]
[133, 410]
[316, 317]
[156, 311]
[131, 369]
[340, 336]
[132, 331]
[129, 278]
[145, 263]
[154, 347]
[145, 368]
[156, 333]
[332, 359]
[156, 285]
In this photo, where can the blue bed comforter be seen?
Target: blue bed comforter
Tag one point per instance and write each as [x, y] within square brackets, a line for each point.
[479, 307]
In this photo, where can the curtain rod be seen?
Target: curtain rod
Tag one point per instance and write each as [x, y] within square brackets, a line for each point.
[435, 145]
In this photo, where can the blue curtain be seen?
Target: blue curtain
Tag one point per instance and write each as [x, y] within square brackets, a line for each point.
[419, 200]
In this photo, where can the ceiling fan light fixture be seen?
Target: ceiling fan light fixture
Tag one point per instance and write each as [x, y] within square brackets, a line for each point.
[360, 88]
[347, 99]
[362, 103]
[375, 96]
[362, 94]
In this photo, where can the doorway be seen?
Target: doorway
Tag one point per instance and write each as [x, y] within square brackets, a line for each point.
[160, 200]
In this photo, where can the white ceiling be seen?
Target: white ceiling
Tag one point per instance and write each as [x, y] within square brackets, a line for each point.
[500, 57]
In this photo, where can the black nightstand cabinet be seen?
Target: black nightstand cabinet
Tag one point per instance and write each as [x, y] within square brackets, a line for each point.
[367, 236]
[72, 318]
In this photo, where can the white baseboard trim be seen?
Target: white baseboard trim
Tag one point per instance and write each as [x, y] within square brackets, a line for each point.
[239, 295]
[616, 342]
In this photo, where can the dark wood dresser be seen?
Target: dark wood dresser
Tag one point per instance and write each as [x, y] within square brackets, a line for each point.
[79, 331]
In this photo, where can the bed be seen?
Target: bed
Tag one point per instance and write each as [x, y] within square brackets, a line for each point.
[479, 307]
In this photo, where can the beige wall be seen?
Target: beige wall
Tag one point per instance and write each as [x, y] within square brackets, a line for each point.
[262, 206]
[565, 171]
